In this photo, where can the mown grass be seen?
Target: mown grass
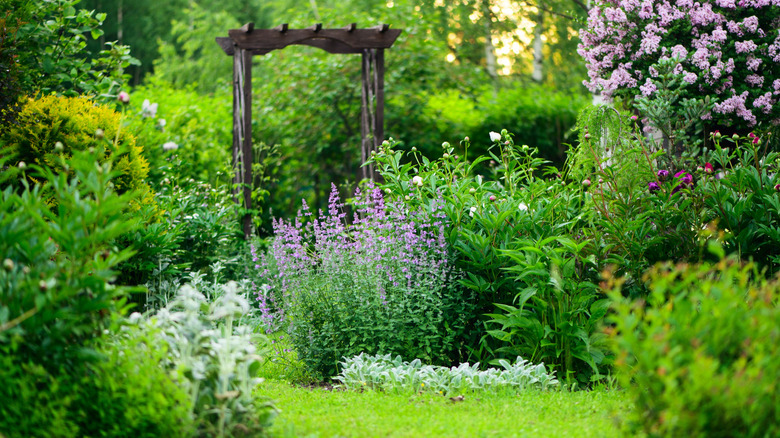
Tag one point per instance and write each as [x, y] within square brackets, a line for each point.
[322, 412]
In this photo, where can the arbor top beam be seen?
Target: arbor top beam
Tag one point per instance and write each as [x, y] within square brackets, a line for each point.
[348, 39]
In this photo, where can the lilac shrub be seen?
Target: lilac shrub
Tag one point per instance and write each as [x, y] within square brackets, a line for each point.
[383, 284]
[728, 50]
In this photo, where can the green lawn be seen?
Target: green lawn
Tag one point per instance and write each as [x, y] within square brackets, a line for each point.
[323, 413]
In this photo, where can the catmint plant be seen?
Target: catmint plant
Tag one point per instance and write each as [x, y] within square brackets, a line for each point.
[381, 281]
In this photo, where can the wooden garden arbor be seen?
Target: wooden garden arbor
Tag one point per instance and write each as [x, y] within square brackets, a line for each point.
[247, 41]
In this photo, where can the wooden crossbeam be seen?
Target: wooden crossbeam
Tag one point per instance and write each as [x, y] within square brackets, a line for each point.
[379, 37]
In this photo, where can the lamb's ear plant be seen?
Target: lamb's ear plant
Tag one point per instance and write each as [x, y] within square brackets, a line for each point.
[390, 373]
[216, 359]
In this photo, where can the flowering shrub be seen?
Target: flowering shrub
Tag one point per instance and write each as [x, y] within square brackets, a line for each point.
[384, 284]
[725, 49]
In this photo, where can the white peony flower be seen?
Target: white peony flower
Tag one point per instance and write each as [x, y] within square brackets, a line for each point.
[495, 136]
[417, 180]
[148, 109]
[170, 146]
[522, 207]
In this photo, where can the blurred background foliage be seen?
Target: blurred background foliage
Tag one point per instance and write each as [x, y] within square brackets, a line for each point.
[460, 68]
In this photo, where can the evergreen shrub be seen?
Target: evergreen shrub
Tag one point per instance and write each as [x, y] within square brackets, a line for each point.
[54, 126]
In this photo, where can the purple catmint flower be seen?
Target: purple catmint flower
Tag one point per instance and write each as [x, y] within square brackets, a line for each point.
[387, 249]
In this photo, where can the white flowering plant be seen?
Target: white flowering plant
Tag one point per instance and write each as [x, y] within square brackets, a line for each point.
[728, 50]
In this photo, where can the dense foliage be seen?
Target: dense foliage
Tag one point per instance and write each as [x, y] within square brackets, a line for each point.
[43, 50]
[699, 354]
[50, 128]
[57, 302]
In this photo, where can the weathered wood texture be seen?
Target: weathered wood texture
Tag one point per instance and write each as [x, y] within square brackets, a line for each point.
[247, 41]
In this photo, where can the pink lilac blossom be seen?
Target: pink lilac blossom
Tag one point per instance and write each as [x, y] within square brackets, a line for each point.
[729, 48]
[648, 88]
[765, 102]
[754, 80]
[753, 63]
[745, 46]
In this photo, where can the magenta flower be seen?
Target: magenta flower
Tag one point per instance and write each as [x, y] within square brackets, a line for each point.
[663, 174]
[653, 186]
[708, 168]
[684, 178]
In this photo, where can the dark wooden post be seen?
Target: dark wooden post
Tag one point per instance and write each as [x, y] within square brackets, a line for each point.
[367, 114]
[242, 132]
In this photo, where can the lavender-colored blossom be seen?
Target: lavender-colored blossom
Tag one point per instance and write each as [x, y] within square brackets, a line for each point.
[388, 249]
[730, 43]
[663, 174]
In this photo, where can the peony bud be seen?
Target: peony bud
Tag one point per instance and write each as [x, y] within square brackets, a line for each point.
[586, 182]
[123, 97]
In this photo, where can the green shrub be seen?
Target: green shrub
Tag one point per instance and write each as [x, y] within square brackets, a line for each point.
[199, 125]
[518, 239]
[36, 403]
[700, 353]
[129, 393]
[51, 127]
[55, 285]
[57, 301]
[124, 393]
[43, 50]
[538, 116]
[745, 199]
